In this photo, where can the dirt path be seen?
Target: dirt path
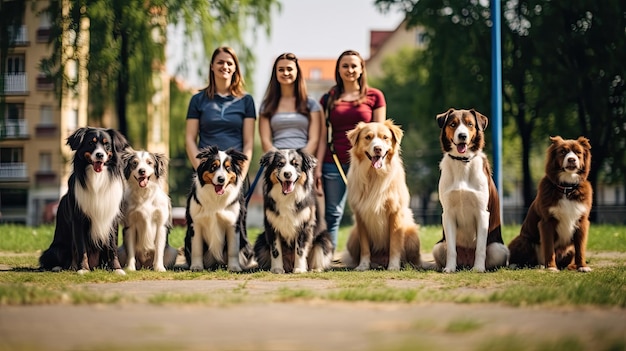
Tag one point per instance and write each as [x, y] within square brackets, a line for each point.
[301, 325]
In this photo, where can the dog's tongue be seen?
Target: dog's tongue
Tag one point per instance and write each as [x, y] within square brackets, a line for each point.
[143, 182]
[288, 187]
[219, 189]
[377, 162]
[98, 166]
[461, 148]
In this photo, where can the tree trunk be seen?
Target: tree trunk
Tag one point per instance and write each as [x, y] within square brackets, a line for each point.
[122, 85]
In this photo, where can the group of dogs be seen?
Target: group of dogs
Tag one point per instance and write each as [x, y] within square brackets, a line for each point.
[112, 184]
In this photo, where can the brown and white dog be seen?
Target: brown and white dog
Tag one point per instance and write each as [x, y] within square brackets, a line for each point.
[147, 213]
[554, 233]
[472, 235]
[385, 233]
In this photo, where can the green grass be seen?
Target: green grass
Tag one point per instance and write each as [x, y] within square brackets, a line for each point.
[20, 248]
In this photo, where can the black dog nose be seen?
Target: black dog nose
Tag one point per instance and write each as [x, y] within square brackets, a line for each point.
[571, 160]
[462, 136]
[221, 179]
[287, 175]
[99, 155]
[378, 149]
[142, 171]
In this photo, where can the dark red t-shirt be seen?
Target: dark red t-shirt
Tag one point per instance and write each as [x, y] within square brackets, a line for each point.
[345, 116]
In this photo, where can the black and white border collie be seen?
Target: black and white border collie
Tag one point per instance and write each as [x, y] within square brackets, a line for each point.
[147, 213]
[88, 215]
[216, 228]
[295, 240]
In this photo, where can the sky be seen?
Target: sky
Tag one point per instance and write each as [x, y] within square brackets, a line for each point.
[312, 29]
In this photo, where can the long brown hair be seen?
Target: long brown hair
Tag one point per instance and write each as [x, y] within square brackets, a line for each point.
[236, 83]
[273, 93]
[338, 89]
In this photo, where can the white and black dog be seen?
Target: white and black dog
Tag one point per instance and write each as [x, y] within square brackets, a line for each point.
[216, 228]
[147, 213]
[88, 215]
[295, 240]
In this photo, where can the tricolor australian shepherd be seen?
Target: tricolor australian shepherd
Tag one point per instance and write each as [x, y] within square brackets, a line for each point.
[472, 235]
[88, 215]
[554, 233]
[216, 228]
[385, 234]
[147, 213]
[295, 240]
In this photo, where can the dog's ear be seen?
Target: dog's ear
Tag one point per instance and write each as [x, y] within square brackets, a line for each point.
[119, 141]
[126, 156]
[556, 140]
[395, 129]
[481, 119]
[308, 160]
[237, 156]
[160, 164]
[77, 137]
[207, 152]
[267, 158]
[442, 118]
[353, 135]
[584, 142]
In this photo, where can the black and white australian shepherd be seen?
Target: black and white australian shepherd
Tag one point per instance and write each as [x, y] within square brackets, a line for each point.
[472, 235]
[147, 213]
[295, 240]
[554, 233]
[216, 228]
[89, 213]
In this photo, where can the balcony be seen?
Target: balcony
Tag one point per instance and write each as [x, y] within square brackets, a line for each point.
[13, 171]
[45, 83]
[43, 35]
[16, 84]
[14, 129]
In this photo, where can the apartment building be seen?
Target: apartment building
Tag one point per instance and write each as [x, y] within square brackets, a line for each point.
[36, 122]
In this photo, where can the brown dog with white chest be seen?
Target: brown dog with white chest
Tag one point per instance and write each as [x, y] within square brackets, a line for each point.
[554, 233]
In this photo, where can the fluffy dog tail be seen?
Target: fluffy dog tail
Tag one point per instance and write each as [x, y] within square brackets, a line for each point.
[321, 255]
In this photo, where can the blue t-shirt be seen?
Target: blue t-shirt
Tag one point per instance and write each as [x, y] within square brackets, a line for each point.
[221, 119]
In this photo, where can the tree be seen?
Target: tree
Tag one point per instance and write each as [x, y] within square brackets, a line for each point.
[562, 62]
[124, 47]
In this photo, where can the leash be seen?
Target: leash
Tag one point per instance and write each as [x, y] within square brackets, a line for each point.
[254, 183]
[331, 145]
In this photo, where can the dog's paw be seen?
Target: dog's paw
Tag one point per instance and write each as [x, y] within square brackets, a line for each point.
[56, 269]
[234, 268]
[584, 269]
[119, 272]
[196, 268]
[552, 269]
[131, 268]
[449, 269]
[393, 267]
[479, 269]
[82, 271]
[159, 269]
[276, 270]
[362, 267]
[299, 270]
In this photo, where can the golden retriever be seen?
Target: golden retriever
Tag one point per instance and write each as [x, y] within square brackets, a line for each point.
[384, 233]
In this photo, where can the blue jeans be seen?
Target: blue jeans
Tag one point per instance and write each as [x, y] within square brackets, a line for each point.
[335, 197]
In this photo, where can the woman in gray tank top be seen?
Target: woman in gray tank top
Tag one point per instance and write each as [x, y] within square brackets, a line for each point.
[289, 118]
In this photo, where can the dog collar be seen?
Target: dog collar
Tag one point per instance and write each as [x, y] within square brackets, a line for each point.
[462, 159]
[566, 189]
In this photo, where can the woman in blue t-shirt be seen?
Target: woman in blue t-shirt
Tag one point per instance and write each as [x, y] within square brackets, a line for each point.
[222, 114]
[289, 118]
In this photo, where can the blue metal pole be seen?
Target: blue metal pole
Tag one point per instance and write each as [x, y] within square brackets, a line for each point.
[496, 96]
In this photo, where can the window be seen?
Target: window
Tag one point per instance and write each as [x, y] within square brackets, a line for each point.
[45, 115]
[45, 162]
[316, 74]
[11, 155]
[15, 64]
[14, 112]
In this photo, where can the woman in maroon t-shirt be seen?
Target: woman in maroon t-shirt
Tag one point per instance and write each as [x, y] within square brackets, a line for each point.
[350, 101]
